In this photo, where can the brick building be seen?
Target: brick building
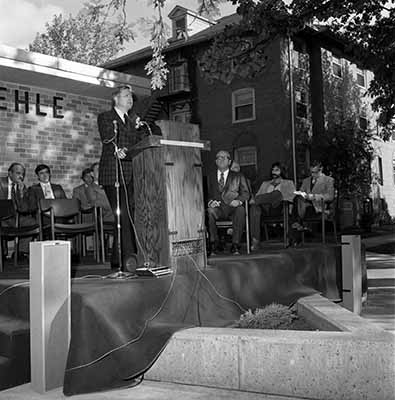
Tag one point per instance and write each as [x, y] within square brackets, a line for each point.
[48, 112]
[252, 118]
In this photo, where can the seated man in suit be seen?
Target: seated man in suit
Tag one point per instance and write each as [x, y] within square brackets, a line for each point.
[97, 195]
[44, 189]
[313, 190]
[13, 188]
[81, 192]
[268, 200]
[227, 194]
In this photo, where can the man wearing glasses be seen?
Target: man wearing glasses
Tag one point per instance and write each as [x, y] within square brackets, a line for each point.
[227, 193]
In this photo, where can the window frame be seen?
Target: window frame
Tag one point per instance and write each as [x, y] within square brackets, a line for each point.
[182, 34]
[363, 116]
[234, 105]
[360, 72]
[181, 112]
[299, 94]
[338, 62]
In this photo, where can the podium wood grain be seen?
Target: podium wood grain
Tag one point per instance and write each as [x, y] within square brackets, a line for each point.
[169, 211]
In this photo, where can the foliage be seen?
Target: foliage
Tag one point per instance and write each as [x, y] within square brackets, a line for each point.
[89, 37]
[346, 152]
[344, 148]
[366, 26]
[157, 66]
[272, 316]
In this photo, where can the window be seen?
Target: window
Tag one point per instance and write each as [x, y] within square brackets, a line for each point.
[243, 105]
[361, 80]
[178, 78]
[393, 167]
[380, 169]
[247, 158]
[363, 121]
[337, 67]
[180, 112]
[180, 28]
[300, 60]
[301, 103]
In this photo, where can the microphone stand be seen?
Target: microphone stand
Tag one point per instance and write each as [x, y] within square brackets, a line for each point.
[120, 274]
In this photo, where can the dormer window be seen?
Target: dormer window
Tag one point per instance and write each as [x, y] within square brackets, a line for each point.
[185, 23]
[180, 28]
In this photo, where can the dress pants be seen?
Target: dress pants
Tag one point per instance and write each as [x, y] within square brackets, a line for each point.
[223, 212]
[268, 204]
[128, 241]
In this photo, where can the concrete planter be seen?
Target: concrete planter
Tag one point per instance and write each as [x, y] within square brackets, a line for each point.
[352, 360]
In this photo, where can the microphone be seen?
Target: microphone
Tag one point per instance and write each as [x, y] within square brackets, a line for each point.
[115, 128]
[140, 123]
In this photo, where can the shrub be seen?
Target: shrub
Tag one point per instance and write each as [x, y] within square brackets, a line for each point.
[272, 316]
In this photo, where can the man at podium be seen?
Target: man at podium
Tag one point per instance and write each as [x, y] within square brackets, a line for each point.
[118, 127]
[227, 193]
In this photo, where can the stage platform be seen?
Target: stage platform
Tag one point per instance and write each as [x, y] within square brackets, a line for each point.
[120, 327]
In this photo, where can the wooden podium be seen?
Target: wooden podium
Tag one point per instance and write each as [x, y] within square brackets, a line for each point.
[168, 194]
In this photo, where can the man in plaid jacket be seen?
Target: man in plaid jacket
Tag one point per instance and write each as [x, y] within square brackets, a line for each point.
[116, 126]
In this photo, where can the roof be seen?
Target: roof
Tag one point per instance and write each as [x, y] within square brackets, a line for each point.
[202, 36]
[27, 67]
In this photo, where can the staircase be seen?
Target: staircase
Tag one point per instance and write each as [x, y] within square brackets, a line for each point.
[14, 334]
[153, 110]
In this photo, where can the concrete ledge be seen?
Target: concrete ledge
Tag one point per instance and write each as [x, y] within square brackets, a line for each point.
[354, 363]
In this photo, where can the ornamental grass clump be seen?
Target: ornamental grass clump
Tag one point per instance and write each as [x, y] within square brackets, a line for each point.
[272, 316]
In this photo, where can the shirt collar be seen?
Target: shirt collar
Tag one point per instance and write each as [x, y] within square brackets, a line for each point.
[120, 113]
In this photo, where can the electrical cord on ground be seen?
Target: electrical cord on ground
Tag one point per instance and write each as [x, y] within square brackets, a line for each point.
[129, 213]
[213, 287]
[135, 339]
[13, 286]
[88, 277]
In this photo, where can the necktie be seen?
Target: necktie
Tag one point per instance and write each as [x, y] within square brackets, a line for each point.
[47, 194]
[126, 118]
[221, 182]
[13, 192]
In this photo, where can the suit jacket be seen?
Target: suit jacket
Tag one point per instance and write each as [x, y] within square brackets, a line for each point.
[286, 188]
[324, 189]
[128, 136]
[97, 196]
[35, 193]
[21, 200]
[81, 193]
[236, 188]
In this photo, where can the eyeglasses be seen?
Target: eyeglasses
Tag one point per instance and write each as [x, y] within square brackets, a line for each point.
[222, 158]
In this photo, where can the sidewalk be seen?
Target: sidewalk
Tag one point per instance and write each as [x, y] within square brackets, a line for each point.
[380, 305]
[148, 390]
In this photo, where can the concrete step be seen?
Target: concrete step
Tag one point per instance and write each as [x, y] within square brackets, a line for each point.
[14, 352]
[14, 337]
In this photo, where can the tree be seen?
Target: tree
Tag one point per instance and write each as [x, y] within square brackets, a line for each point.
[89, 37]
[365, 26]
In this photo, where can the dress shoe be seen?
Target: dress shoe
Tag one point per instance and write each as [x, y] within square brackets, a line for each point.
[235, 249]
[114, 266]
[216, 248]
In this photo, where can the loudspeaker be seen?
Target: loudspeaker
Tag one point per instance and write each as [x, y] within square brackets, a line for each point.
[49, 313]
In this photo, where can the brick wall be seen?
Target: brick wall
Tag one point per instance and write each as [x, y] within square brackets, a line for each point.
[270, 132]
[67, 144]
